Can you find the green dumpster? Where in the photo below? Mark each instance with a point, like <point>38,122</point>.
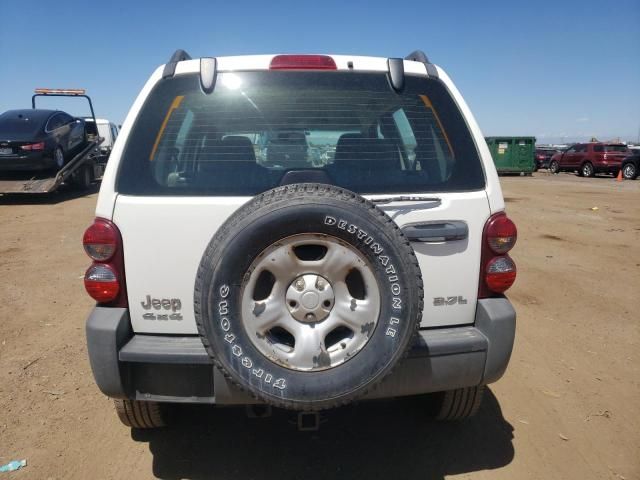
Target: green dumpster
<point>513,154</point>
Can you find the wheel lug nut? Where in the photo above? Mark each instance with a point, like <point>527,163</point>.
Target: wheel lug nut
<point>310,317</point>
<point>320,284</point>
<point>300,284</point>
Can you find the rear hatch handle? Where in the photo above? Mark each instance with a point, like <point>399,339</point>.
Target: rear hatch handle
<point>437,231</point>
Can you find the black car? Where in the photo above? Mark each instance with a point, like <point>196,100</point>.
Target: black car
<point>631,166</point>
<point>34,139</point>
<point>543,156</point>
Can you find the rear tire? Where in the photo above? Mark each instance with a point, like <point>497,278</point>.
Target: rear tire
<point>459,404</point>
<point>629,171</point>
<point>58,157</point>
<point>82,178</point>
<point>554,167</point>
<point>137,414</point>
<point>587,170</point>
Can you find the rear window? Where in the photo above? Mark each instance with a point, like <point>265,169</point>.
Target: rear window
<point>12,123</point>
<point>611,148</point>
<point>258,130</point>
<point>90,128</point>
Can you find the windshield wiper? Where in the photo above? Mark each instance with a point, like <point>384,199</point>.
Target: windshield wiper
<point>405,198</point>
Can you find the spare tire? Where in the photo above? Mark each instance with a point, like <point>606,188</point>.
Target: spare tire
<point>308,296</point>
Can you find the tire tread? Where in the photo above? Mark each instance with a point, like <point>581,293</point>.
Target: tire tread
<point>139,414</point>
<point>459,404</point>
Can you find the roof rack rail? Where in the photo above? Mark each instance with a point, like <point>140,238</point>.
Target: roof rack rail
<point>420,56</point>
<point>170,68</point>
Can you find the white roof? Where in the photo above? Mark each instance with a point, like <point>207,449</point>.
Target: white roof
<point>261,62</point>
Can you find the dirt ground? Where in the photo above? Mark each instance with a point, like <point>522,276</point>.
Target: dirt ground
<point>567,408</point>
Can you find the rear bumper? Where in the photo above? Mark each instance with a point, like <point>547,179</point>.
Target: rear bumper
<point>29,162</point>
<point>178,369</point>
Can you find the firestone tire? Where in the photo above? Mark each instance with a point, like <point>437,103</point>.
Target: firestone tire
<point>137,414</point>
<point>294,365</point>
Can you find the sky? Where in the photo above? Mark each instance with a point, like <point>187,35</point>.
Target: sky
<point>558,70</point>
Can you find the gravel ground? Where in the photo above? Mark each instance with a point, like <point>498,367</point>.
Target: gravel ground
<point>567,408</point>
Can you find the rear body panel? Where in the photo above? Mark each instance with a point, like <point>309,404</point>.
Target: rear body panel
<point>24,161</point>
<point>151,229</point>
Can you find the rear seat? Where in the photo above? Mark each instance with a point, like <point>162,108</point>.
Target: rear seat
<point>363,161</point>
<point>230,164</point>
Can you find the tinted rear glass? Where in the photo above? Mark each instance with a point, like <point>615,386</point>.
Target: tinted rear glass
<point>258,130</point>
<point>616,148</point>
<point>611,148</point>
<point>19,123</point>
<point>90,128</point>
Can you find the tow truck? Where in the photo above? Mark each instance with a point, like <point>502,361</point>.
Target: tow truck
<point>85,166</point>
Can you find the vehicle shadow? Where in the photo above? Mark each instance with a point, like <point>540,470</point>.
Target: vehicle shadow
<point>63,194</point>
<point>383,439</point>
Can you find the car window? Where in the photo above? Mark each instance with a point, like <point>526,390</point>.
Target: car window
<point>91,128</point>
<point>407,136</point>
<point>65,118</point>
<point>616,148</point>
<point>572,149</point>
<point>14,122</point>
<point>54,122</point>
<point>351,129</point>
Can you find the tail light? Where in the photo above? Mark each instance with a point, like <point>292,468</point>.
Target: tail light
<point>498,271</point>
<point>500,233</point>
<point>101,282</point>
<point>100,240</point>
<point>105,279</point>
<point>33,146</point>
<point>302,62</point>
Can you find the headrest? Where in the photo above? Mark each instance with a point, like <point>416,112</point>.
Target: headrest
<point>361,151</point>
<point>218,154</point>
<point>231,149</point>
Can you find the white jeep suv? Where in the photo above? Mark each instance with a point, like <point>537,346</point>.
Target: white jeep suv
<point>371,263</point>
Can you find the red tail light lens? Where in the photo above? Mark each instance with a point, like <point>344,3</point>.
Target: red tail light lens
<point>105,279</point>
<point>101,282</point>
<point>33,146</point>
<point>100,240</point>
<point>500,274</point>
<point>302,62</point>
<point>501,233</point>
<point>498,271</point>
